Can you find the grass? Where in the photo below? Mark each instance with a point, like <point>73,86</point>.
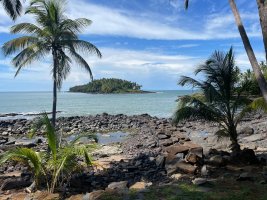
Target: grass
<point>221,190</point>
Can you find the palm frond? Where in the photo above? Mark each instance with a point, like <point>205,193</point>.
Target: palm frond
<point>76,25</point>
<point>25,154</point>
<point>51,136</point>
<point>80,60</point>
<point>258,104</point>
<point>185,80</point>
<point>29,28</point>
<point>12,7</point>
<point>17,44</point>
<point>83,46</point>
<point>186,3</point>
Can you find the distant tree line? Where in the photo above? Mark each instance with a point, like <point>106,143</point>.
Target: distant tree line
<point>108,85</point>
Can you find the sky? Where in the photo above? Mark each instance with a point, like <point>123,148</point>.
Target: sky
<point>151,42</point>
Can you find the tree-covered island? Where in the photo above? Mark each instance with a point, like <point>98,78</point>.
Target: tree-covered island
<point>109,86</point>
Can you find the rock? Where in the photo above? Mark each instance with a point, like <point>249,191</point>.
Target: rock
<point>192,158</point>
<point>171,168</point>
<point>245,156</point>
<point>166,142</point>
<point>96,195</point>
<point>139,186</point>
<point>177,148</point>
<point>204,170</point>
<point>121,186</point>
<point>255,137</point>
<point>15,183</point>
<point>162,136</point>
<point>245,177</point>
<point>192,145</point>
<point>160,161</point>
<point>45,195</point>
<point>217,160</point>
<point>176,176</point>
<point>185,167</point>
<point>78,197</point>
<point>199,181</point>
<point>247,131</point>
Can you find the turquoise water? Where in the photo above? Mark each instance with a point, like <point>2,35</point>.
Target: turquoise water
<point>160,104</point>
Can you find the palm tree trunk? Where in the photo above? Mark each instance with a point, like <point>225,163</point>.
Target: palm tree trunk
<point>54,109</point>
<point>251,55</point>
<point>235,147</point>
<point>262,7</point>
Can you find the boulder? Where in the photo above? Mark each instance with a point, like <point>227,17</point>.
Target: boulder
<point>217,160</point>
<point>171,168</point>
<point>160,161</point>
<point>247,131</point>
<point>245,156</point>
<point>204,171</point>
<point>177,176</point>
<point>177,148</point>
<point>165,142</point>
<point>245,177</point>
<point>199,181</point>
<point>120,186</point>
<point>191,158</point>
<point>255,137</point>
<point>96,195</point>
<point>15,183</point>
<point>140,185</point>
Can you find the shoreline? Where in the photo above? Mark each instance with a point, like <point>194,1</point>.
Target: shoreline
<point>201,132</point>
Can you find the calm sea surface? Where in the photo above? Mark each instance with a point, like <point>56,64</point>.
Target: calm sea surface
<point>160,104</point>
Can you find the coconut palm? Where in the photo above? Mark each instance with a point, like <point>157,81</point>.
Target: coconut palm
<point>57,165</point>
<point>220,99</point>
<point>262,7</point>
<point>53,34</point>
<point>12,7</point>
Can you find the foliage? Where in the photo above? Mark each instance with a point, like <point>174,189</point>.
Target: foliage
<point>221,97</point>
<point>249,77</point>
<point>53,33</point>
<point>12,7</point>
<point>57,164</point>
<point>107,85</point>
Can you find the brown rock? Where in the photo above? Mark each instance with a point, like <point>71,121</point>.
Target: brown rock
<point>138,186</point>
<point>96,195</point>
<point>191,158</point>
<point>186,167</point>
<point>191,145</point>
<point>122,185</point>
<point>171,168</point>
<point>177,148</point>
<point>43,195</point>
<point>76,197</point>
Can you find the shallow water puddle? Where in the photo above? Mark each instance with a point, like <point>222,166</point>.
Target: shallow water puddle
<point>112,137</point>
<point>103,138</point>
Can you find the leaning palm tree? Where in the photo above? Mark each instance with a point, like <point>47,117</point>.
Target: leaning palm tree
<point>262,7</point>
<point>220,100</point>
<point>12,7</point>
<point>53,34</point>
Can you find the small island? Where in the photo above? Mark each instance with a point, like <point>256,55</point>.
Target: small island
<point>109,86</point>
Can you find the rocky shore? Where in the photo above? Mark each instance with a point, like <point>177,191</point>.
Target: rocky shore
<point>154,152</point>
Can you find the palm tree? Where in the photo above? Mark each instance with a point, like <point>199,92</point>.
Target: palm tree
<point>56,166</point>
<point>220,99</point>
<point>12,7</point>
<point>262,6</point>
<point>53,34</point>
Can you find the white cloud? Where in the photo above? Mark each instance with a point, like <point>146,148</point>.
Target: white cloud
<point>117,22</point>
<point>120,63</point>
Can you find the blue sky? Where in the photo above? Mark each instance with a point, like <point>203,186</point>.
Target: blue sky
<point>151,42</point>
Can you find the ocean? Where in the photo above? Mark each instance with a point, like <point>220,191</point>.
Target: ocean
<point>160,103</point>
